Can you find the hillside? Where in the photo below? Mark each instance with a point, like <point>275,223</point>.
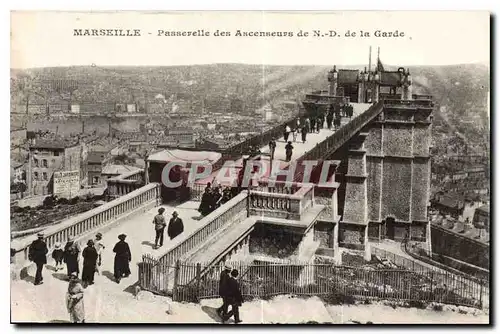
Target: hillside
<point>460,91</point>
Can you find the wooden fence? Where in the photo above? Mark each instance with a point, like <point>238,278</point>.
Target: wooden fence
<point>327,281</point>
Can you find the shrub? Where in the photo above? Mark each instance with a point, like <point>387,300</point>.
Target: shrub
<point>74,200</point>
<point>49,202</point>
<point>418,304</point>
<point>62,201</point>
<point>437,307</point>
<point>339,299</point>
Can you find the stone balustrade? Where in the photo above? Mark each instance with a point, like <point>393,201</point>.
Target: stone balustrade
<point>230,211</point>
<point>278,205</point>
<point>125,183</point>
<point>331,144</point>
<point>91,220</point>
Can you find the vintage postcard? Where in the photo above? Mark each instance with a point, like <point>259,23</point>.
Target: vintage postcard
<point>250,167</point>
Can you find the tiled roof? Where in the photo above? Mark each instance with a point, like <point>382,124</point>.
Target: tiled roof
<point>118,169</point>
<point>53,144</point>
<point>95,157</point>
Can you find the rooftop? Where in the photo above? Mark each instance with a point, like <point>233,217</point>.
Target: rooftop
<point>119,169</point>
<point>185,156</point>
<point>96,157</point>
<point>53,144</point>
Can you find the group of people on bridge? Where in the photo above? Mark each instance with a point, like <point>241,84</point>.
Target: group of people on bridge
<point>92,262</point>
<point>212,198</point>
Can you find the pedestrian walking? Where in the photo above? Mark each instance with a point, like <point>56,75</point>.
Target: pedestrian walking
<point>294,135</point>
<point>123,257</point>
<point>58,256</point>
<point>74,299</point>
<point>71,252</point>
<point>160,224</point>
<point>319,123</point>
<point>204,207</point>
<point>90,257</point>
<point>308,125</point>
<point>224,277</point>
<point>175,226</point>
<point>272,148</point>
<point>289,151</point>
<point>329,119</point>
<point>38,254</point>
<point>99,246</point>
<point>287,132</point>
<point>313,123</point>
<point>304,134</point>
<point>234,298</point>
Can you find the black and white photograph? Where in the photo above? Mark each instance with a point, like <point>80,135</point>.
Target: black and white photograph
<point>250,167</point>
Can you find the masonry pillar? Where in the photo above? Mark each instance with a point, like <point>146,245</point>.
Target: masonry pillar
<point>376,88</point>
<point>332,82</point>
<point>355,219</point>
<point>428,239</point>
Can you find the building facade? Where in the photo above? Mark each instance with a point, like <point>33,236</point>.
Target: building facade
<point>47,157</point>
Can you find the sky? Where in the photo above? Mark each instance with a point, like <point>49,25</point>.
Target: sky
<point>43,39</point>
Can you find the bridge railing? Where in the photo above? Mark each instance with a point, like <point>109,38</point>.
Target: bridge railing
<point>340,137</point>
<point>209,225</point>
<point>261,139</point>
<point>90,220</point>
<point>281,205</point>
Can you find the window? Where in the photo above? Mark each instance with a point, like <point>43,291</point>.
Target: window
<point>35,161</point>
<point>56,153</point>
<point>44,163</point>
<point>95,180</point>
<point>44,176</point>
<point>35,176</point>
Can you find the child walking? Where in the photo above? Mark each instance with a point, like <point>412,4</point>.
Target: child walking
<point>58,255</point>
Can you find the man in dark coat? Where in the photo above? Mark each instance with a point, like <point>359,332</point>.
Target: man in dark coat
<point>288,151</point>
<point>71,252</point>
<point>272,148</point>
<point>160,224</point>
<point>234,297</point>
<point>204,208</point>
<point>304,133</point>
<point>90,257</point>
<point>38,254</point>
<point>122,258</point>
<point>329,119</point>
<point>224,277</point>
<point>313,123</point>
<point>175,226</point>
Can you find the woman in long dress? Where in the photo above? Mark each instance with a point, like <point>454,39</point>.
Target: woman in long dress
<point>122,258</point>
<point>71,252</point>
<point>74,299</point>
<point>90,257</point>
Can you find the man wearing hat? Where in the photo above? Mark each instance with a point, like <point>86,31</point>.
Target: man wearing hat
<point>224,277</point>
<point>159,222</point>
<point>123,256</point>
<point>175,226</point>
<point>38,254</point>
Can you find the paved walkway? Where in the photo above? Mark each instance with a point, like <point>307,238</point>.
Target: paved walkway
<point>312,139</point>
<point>140,237</point>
